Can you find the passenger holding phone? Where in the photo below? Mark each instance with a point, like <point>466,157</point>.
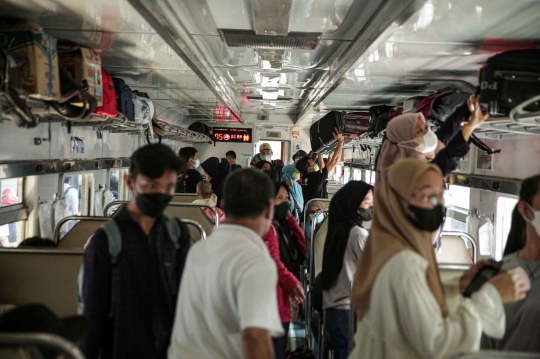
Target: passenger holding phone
<point>523,251</point>
<point>403,310</point>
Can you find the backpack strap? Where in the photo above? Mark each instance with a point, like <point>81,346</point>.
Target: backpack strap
<point>114,238</point>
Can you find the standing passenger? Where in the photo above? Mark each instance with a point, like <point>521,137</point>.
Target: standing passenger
<point>403,310</point>
<point>287,246</point>
<point>522,329</point>
<point>130,304</point>
<point>227,308</point>
<point>345,241</point>
<point>314,182</point>
<point>231,157</point>
<point>187,183</point>
<point>216,171</point>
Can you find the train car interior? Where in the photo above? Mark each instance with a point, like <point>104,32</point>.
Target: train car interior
<point>86,83</point>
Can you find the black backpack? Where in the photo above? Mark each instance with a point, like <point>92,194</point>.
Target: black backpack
<point>201,128</point>
<point>124,99</point>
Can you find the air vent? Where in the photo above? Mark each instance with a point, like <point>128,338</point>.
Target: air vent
<point>249,39</point>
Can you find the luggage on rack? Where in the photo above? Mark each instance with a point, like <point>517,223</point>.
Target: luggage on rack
<point>201,128</point>
<point>445,104</point>
<point>84,66</point>
<point>375,112</point>
<point>124,99</point>
<point>110,106</point>
<point>509,79</point>
<point>355,123</point>
<point>144,107</point>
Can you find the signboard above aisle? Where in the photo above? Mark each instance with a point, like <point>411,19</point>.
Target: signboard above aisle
<point>233,134</point>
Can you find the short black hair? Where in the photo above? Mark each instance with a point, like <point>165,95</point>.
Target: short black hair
<point>37,242</point>
<point>247,193</point>
<point>153,160</point>
<point>302,165</point>
<point>231,154</point>
<point>278,185</point>
<point>187,152</point>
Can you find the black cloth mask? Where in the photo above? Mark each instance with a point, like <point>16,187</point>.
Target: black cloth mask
<point>153,204</point>
<point>427,219</point>
<point>366,214</point>
<point>280,211</point>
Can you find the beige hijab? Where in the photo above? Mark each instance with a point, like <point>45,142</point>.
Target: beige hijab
<point>393,232</point>
<point>401,129</point>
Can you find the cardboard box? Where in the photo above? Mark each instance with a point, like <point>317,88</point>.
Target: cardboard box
<point>84,66</point>
<point>36,55</point>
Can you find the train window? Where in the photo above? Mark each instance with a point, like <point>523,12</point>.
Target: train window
<point>458,202</point>
<point>357,175</point>
<point>503,222</point>
<point>113,182</point>
<point>11,190</point>
<point>11,234</point>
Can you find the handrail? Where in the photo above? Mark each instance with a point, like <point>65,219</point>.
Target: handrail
<point>41,250</point>
<point>454,266</point>
<point>312,275</point>
<point>42,340</point>
<point>172,204</point>
<point>467,237</point>
<point>56,235</point>
<point>306,207</point>
<point>196,225</point>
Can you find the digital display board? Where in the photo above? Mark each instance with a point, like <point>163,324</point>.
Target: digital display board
<point>232,134</point>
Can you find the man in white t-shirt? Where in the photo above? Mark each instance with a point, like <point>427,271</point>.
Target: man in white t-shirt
<point>227,306</point>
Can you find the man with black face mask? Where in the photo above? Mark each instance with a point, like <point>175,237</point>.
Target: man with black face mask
<point>130,301</point>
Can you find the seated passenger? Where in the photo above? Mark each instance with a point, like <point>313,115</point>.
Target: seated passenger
<point>216,171</point>
<point>227,308</point>
<point>287,246</point>
<point>187,182</point>
<point>522,329</point>
<point>346,238</point>
<point>37,242</point>
<point>264,166</point>
<point>36,318</point>
<point>403,311</point>
<point>409,136</point>
<point>314,208</point>
<point>206,196</point>
<point>130,304</point>
<point>314,182</point>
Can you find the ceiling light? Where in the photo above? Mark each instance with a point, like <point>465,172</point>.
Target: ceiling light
<point>467,53</point>
<point>270,95</point>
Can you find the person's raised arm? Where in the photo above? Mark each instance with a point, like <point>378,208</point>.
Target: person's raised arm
<point>332,162</point>
<point>320,162</point>
<point>476,119</point>
<point>256,344</point>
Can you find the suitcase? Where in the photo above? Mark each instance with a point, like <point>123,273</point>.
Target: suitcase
<point>321,133</point>
<point>508,79</point>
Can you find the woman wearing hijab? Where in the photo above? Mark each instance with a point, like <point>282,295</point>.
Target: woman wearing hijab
<point>290,176</point>
<point>409,136</point>
<point>216,170</point>
<point>350,207</point>
<point>265,166</point>
<point>287,246</point>
<point>403,311</point>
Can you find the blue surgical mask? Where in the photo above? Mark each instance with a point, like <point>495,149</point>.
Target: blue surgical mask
<point>317,220</point>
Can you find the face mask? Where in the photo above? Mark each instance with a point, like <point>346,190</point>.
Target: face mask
<point>425,144</point>
<point>280,211</point>
<point>317,220</point>
<point>153,204</point>
<point>197,164</point>
<point>268,172</point>
<point>366,214</point>
<point>427,219</point>
<point>535,222</point>
<point>266,158</point>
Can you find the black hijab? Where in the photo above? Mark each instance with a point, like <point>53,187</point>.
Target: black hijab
<point>218,169</point>
<point>343,216</point>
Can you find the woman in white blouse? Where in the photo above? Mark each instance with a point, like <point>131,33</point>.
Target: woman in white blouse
<point>403,310</point>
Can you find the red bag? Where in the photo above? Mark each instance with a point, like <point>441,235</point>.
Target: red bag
<point>110,107</point>
<point>355,123</point>
<point>425,105</point>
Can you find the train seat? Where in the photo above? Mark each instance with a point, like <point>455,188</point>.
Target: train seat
<point>46,276</point>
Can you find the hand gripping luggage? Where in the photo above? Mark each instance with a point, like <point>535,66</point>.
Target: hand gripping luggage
<point>508,80</point>
<point>321,133</point>
<point>124,99</point>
